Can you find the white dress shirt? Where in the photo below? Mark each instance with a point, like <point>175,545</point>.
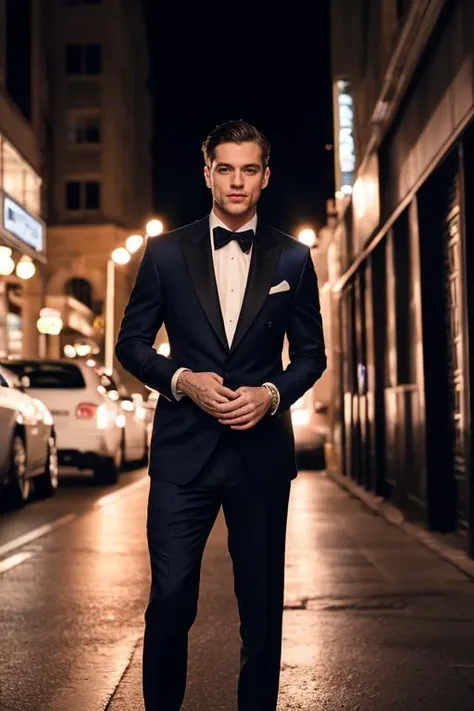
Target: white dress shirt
<point>231,269</point>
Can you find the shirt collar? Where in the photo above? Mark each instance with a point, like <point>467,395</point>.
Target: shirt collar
<point>214,221</point>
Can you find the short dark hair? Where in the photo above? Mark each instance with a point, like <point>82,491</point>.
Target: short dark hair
<point>235,132</point>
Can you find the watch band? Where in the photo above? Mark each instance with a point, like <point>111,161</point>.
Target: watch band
<point>274,396</point>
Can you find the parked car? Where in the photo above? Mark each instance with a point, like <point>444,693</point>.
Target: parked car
<point>135,444</point>
<point>311,431</point>
<point>27,443</point>
<point>89,424</point>
<point>150,404</point>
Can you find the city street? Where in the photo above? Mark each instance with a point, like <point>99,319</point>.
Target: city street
<point>373,621</point>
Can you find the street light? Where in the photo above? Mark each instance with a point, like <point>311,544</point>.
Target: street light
<point>154,227</point>
<point>121,256</point>
<point>25,269</point>
<point>307,236</point>
<point>133,243</point>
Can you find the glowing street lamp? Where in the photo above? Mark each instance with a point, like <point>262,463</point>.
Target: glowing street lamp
<point>133,243</point>
<point>121,256</point>
<point>154,227</point>
<point>25,269</point>
<point>307,236</point>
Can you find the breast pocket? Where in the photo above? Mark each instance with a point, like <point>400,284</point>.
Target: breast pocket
<point>277,310</point>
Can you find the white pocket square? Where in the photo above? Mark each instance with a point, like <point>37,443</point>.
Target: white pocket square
<point>278,288</point>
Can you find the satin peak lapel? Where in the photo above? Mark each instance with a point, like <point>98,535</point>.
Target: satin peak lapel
<point>196,249</point>
<point>265,256</point>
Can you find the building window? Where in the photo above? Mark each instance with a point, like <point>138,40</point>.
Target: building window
<point>18,179</point>
<point>92,195</point>
<point>17,34</point>
<point>82,195</point>
<point>83,59</point>
<point>85,130</point>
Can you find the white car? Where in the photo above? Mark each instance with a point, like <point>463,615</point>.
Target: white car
<point>89,424</point>
<point>27,443</point>
<point>135,444</point>
<point>150,406</point>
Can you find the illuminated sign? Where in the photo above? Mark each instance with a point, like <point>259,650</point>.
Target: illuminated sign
<point>347,157</point>
<point>22,225</point>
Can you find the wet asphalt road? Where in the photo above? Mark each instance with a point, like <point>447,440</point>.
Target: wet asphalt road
<point>373,621</point>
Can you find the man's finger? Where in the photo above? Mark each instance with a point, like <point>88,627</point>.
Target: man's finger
<point>245,410</point>
<point>243,420</point>
<point>231,406</point>
<point>218,399</point>
<point>248,426</point>
<point>217,378</point>
<point>227,392</point>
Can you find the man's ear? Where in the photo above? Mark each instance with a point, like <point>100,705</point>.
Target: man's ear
<point>266,177</point>
<point>207,176</point>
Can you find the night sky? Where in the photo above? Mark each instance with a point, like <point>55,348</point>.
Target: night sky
<point>270,69</point>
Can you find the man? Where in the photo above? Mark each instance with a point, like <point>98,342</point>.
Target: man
<point>227,288</point>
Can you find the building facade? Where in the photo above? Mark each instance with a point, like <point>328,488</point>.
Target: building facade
<point>399,258</point>
<point>100,170</point>
<point>23,136</point>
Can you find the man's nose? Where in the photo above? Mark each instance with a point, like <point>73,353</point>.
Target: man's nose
<point>237,179</point>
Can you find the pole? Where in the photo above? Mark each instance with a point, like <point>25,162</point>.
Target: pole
<point>109,317</point>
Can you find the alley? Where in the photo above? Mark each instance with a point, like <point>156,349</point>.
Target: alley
<point>373,620</point>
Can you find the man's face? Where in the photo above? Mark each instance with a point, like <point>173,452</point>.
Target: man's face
<point>236,179</point>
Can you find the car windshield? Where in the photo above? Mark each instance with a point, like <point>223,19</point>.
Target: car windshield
<point>48,375</point>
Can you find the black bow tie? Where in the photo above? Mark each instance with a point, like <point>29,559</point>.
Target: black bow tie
<point>223,237</point>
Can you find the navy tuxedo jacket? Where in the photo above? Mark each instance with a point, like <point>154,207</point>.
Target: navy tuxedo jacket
<point>176,286</point>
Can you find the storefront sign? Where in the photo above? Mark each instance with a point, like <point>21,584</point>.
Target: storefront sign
<point>18,222</point>
<point>347,158</point>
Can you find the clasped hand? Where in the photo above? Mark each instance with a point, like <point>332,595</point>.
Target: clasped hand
<point>239,409</point>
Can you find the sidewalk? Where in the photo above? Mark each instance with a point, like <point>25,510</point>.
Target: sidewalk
<point>374,620</point>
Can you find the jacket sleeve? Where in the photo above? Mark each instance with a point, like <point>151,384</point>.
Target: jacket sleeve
<point>141,322</point>
<point>306,341</point>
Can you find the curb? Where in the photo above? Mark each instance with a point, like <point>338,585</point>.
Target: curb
<point>433,541</point>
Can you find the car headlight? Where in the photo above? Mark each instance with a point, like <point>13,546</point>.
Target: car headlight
<point>300,418</point>
<point>298,404</point>
<point>141,413</point>
<point>121,421</point>
<point>102,415</point>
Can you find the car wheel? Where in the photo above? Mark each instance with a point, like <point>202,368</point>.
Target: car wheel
<point>107,472</point>
<point>19,486</point>
<point>47,483</point>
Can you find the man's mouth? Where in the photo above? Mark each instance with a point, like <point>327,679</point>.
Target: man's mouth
<point>236,197</point>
